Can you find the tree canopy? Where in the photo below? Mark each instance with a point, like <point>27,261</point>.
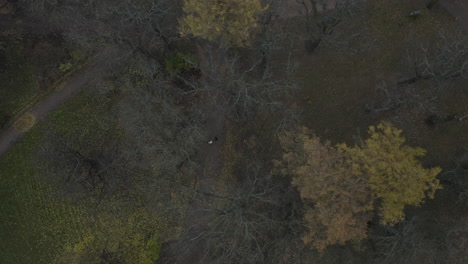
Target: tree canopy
<point>394,174</point>
<point>228,22</point>
<point>339,202</point>
<point>341,187</point>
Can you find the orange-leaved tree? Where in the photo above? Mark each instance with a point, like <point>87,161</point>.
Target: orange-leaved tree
<point>339,200</point>
<point>341,187</point>
<point>227,22</point>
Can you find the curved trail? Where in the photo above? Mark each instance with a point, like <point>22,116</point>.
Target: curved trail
<point>70,88</point>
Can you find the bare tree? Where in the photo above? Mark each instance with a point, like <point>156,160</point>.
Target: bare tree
<point>407,243</point>
<point>444,59</point>
<point>434,65</point>
<point>420,239</point>
<point>82,173</point>
<point>240,224</point>
<point>136,25</point>
<point>163,129</point>
<point>456,241</point>
<point>242,88</point>
<point>395,96</point>
<point>398,241</point>
<point>323,16</point>
<point>456,178</point>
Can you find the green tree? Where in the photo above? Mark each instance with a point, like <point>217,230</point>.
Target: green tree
<point>394,174</point>
<point>229,22</point>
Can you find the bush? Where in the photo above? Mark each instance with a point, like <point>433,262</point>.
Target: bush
<point>25,122</point>
<point>64,67</point>
<point>181,62</point>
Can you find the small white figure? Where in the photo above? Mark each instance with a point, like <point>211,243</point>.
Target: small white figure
<point>212,141</point>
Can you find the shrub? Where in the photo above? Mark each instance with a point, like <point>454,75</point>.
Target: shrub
<point>181,62</point>
<point>25,122</point>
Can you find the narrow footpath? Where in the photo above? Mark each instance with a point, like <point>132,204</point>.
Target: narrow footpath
<point>70,88</point>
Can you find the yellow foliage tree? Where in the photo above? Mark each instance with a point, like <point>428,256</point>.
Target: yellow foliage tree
<point>394,174</point>
<point>228,22</point>
<point>342,186</point>
<point>341,203</point>
<point>116,239</point>
<point>25,122</point>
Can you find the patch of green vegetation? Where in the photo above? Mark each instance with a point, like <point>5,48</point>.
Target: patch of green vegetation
<point>36,222</point>
<point>86,120</point>
<point>154,248</point>
<point>74,62</point>
<point>17,77</point>
<point>64,67</point>
<point>25,122</point>
<point>181,62</point>
<point>39,224</point>
<point>136,77</point>
<point>77,56</point>
<point>125,238</point>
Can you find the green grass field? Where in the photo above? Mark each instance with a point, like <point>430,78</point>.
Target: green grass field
<point>39,223</point>
<point>17,78</point>
<point>35,222</point>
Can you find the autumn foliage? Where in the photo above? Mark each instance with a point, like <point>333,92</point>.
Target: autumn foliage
<point>228,22</point>
<point>343,187</point>
<point>25,122</point>
<point>339,201</point>
<point>395,176</point>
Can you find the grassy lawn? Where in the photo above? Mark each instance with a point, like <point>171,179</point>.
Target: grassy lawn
<point>41,223</point>
<point>35,222</point>
<point>17,77</point>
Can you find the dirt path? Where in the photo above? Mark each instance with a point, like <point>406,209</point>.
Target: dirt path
<point>210,155</point>
<point>69,89</point>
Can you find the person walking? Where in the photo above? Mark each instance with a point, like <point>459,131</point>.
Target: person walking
<point>212,141</point>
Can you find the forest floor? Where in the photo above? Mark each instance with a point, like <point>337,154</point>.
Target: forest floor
<point>331,88</point>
